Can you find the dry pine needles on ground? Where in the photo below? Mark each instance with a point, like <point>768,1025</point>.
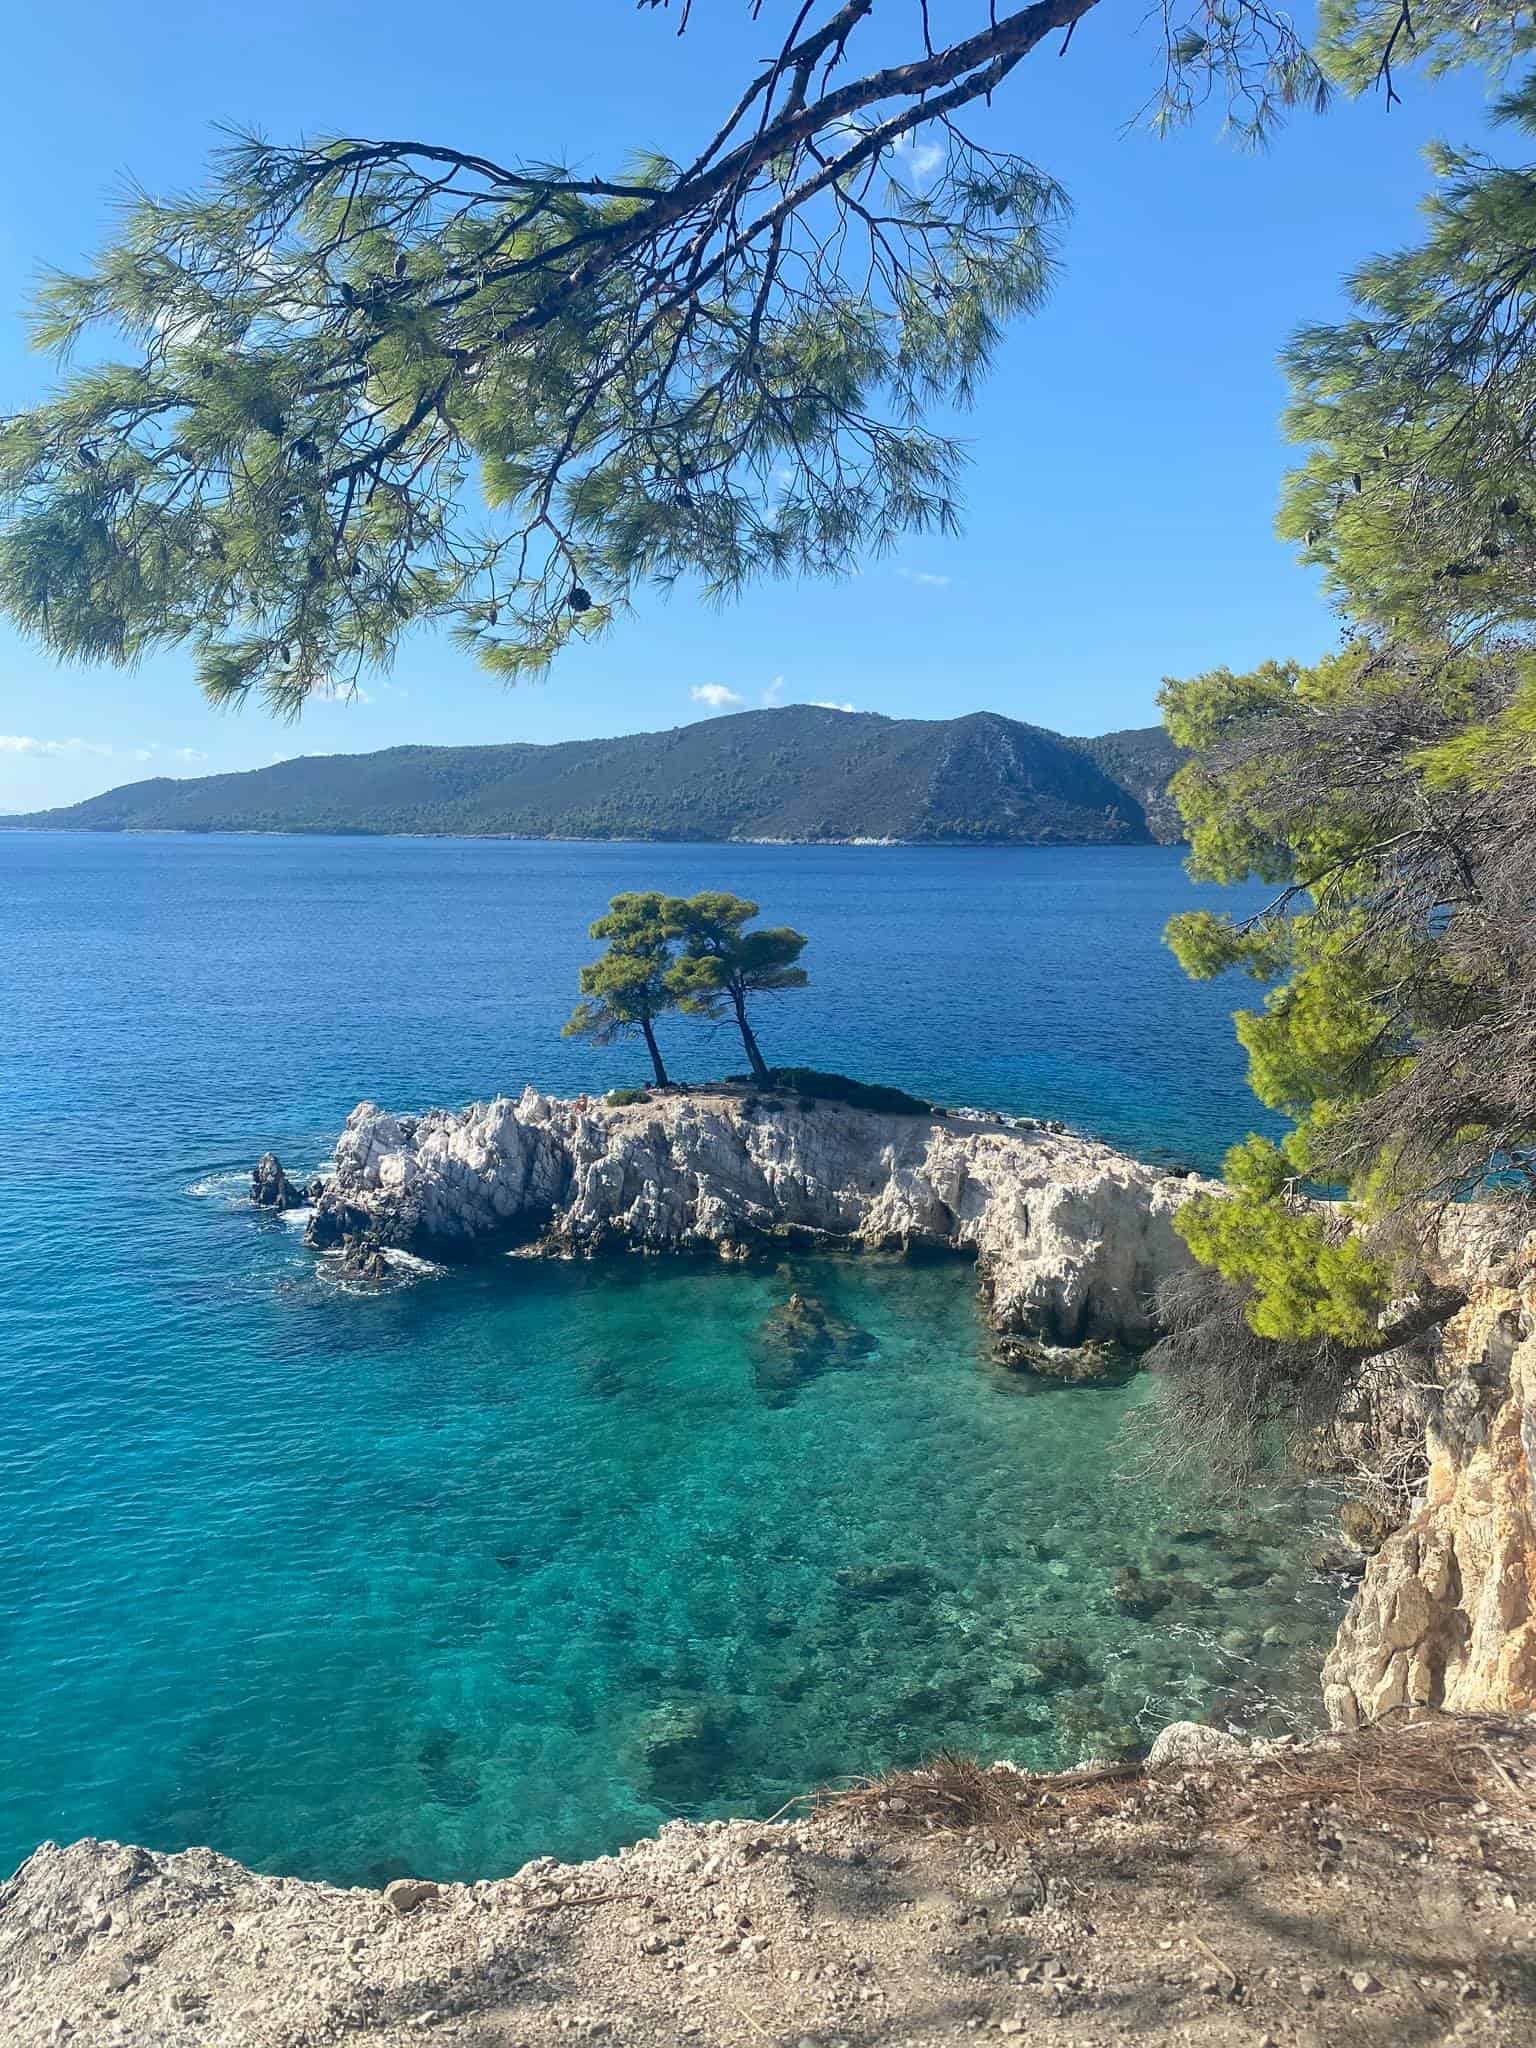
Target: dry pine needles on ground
<point>1423,1770</point>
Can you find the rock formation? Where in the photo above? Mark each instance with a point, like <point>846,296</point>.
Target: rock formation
<point>1070,1237</point>
<point>1446,1612</point>
<point>270,1186</point>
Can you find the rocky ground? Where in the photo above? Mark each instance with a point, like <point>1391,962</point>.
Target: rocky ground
<point>1372,1888</point>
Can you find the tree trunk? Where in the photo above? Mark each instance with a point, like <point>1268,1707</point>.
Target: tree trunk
<point>655,1052</point>
<point>755,1058</point>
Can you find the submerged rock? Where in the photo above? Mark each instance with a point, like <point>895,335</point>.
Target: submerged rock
<point>884,1581</point>
<point>1140,1598</point>
<point>678,1751</point>
<point>1091,1722</point>
<point>1059,1662</point>
<point>1069,1365</point>
<point>801,1338</point>
<point>1070,1238</point>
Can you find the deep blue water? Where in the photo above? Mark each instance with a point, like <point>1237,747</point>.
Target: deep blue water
<point>521,1559</point>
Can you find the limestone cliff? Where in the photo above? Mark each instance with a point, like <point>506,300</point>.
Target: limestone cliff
<point>1070,1237</point>
<point>1446,1612</point>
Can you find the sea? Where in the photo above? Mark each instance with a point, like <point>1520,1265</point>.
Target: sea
<point>523,1558</point>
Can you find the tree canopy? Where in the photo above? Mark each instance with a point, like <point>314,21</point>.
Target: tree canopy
<point>688,953</point>
<point>627,989</point>
<point>1400,1033</point>
<point>1387,791</point>
<point>1416,496</point>
<point>373,383</point>
<point>722,963</point>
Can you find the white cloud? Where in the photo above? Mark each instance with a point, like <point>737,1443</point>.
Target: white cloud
<point>826,704</point>
<point>916,160</point>
<point>715,695</point>
<point>190,754</point>
<point>924,578</point>
<point>19,743</point>
<point>774,694</point>
<point>919,159</point>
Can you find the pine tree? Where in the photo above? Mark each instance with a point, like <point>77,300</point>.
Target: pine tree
<point>628,988</point>
<point>357,385</point>
<point>722,964</point>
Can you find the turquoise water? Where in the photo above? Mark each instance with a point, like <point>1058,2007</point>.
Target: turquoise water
<point>526,1558</point>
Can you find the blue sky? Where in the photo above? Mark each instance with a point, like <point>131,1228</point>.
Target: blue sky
<point>1126,452</point>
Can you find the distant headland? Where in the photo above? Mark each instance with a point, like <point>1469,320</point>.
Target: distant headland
<point>797,774</point>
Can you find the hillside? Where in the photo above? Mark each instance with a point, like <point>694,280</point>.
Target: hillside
<point>796,773</point>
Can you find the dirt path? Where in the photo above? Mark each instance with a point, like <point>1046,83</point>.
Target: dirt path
<point>1241,1904</point>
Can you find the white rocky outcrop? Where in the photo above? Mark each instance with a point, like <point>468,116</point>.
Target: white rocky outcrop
<point>1071,1238</point>
<point>1446,1613</point>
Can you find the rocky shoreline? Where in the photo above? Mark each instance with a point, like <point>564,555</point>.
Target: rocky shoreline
<point>1366,1891</point>
<point>1071,1239</point>
<point>1220,1893</point>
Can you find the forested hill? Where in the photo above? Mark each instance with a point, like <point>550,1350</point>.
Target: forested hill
<point>796,773</point>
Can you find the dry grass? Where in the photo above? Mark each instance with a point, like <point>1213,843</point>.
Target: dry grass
<point>953,1793</point>
<point>1421,1773</point>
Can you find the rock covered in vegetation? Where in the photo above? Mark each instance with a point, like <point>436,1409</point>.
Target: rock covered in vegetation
<point>1446,1612</point>
<point>1071,1238</point>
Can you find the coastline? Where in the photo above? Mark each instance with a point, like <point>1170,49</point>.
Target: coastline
<point>1358,1889</point>
<point>938,845</point>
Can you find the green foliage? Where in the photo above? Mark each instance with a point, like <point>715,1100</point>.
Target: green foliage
<point>1386,796</point>
<point>355,386</point>
<point>1359,41</point>
<point>355,392</point>
<point>1416,496</point>
<point>688,953</point>
<point>627,988</point>
<point>722,963</point>
<point>1308,1277</point>
<point>821,1087</point>
<point>626,1098</point>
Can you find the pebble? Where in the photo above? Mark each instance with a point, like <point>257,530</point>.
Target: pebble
<point>1363,1982</point>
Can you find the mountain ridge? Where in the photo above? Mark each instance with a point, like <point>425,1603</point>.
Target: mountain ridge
<point>798,773</point>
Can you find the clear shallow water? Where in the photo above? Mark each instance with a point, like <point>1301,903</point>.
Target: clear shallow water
<point>524,1558</point>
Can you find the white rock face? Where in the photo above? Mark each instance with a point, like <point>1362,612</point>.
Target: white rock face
<point>1446,1613</point>
<point>1071,1238</point>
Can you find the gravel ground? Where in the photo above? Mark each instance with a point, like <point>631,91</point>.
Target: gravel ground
<point>1177,1906</point>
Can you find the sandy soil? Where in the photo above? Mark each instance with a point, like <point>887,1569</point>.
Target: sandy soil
<point>1231,1906</point>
